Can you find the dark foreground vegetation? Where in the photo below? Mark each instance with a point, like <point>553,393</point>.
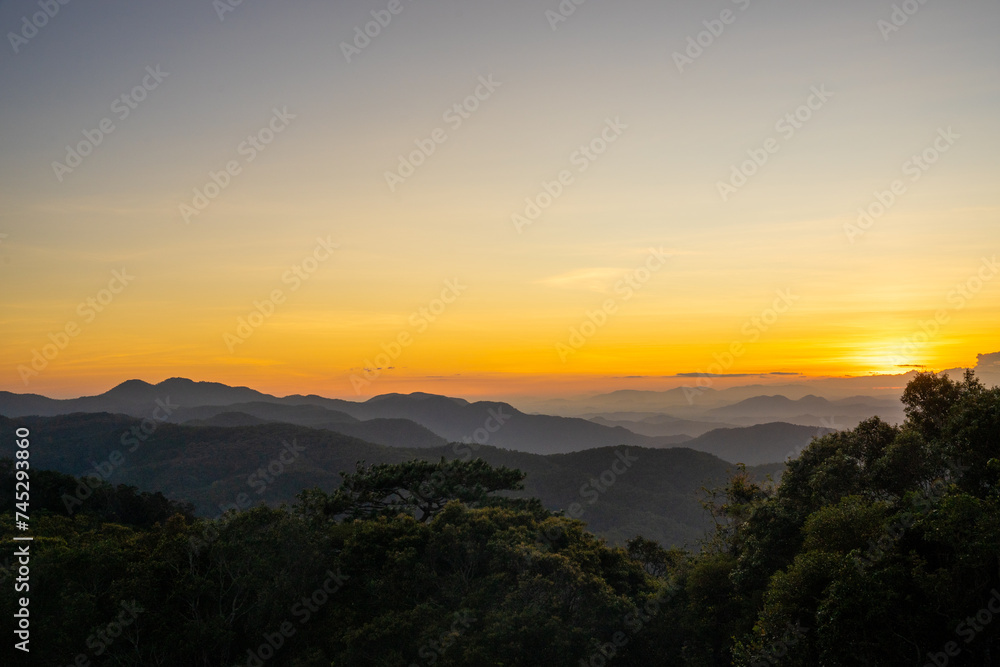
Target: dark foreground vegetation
<point>880,546</point>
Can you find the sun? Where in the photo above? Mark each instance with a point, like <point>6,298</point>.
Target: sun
<point>882,359</point>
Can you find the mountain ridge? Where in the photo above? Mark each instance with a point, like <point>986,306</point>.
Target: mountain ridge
<point>211,466</point>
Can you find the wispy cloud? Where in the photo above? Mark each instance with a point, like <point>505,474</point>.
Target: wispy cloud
<point>716,375</point>
<point>596,279</point>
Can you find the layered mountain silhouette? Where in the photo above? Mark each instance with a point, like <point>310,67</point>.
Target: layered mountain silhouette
<point>809,410</point>
<point>452,419</point>
<point>654,424</point>
<point>758,444</point>
<point>430,420</point>
<point>208,443</point>
<point>657,494</point>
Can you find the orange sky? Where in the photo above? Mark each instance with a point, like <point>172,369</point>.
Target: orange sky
<point>573,223</point>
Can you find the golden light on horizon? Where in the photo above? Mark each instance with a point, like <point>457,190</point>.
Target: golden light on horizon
<point>606,169</point>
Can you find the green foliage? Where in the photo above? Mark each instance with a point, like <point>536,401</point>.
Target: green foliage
<point>56,493</point>
<point>419,487</point>
<point>878,547</point>
<point>881,540</point>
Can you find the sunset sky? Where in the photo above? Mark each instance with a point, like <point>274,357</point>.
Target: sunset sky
<point>638,265</point>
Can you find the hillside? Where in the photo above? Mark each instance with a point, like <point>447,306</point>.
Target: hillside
<point>809,410</point>
<point>656,496</point>
<point>758,444</point>
<point>452,419</point>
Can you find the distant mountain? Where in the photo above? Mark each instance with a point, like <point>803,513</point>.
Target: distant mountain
<point>303,415</point>
<point>624,491</point>
<point>133,397</point>
<point>388,432</point>
<point>809,410</point>
<point>772,405</point>
<point>227,419</point>
<point>453,419</point>
<point>429,420</point>
<point>657,425</point>
<point>759,444</point>
<point>693,396</point>
<point>692,401</point>
<point>633,399</point>
<point>501,425</point>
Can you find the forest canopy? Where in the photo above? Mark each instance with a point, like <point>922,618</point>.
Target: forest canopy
<point>879,545</point>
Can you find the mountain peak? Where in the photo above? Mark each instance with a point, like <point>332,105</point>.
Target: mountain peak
<point>130,386</point>
<point>416,396</point>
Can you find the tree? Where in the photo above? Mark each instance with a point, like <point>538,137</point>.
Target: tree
<point>420,487</point>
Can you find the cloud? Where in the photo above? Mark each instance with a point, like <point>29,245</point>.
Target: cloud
<point>595,279</point>
<point>716,375</point>
<point>988,362</point>
<point>780,373</point>
<point>988,368</point>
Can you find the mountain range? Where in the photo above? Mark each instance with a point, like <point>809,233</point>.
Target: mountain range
<point>210,444</point>
<point>624,491</point>
<point>422,420</point>
<point>451,419</point>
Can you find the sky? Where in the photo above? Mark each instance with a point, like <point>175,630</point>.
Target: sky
<point>485,199</point>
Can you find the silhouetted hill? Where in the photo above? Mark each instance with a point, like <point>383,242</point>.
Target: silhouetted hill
<point>227,419</point>
<point>759,444</point>
<point>453,419</point>
<point>132,397</point>
<point>390,432</point>
<point>656,494</point>
<point>303,415</point>
<point>499,424</point>
<point>694,402</point>
<point>809,410</point>
<point>657,425</point>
